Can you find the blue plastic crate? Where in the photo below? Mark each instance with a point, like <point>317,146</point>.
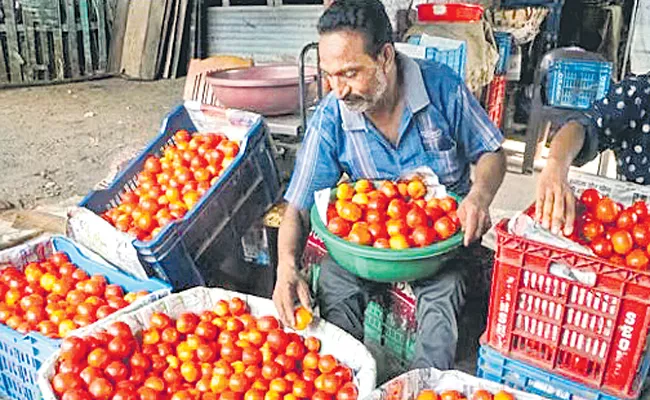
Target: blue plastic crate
<point>455,58</point>
<point>22,355</point>
<point>504,44</point>
<point>495,367</point>
<point>576,84</point>
<point>187,252</point>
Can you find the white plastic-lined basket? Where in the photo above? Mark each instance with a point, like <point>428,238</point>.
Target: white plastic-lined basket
<point>334,340</point>
<point>408,385</point>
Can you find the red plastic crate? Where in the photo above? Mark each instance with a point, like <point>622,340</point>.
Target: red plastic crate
<point>496,98</point>
<point>577,316</point>
<point>451,12</point>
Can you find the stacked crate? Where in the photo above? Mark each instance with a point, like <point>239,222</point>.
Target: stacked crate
<point>495,100</point>
<point>565,325</point>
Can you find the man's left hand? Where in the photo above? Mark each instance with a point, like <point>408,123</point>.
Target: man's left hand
<point>474,216</point>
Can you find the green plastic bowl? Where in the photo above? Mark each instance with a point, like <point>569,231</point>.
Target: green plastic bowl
<point>386,265</point>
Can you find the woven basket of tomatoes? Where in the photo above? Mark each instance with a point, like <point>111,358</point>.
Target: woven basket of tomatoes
<point>432,384</point>
<point>187,199</point>
<point>388,231</point>
<point>48,289</point>
<point>209,344</point>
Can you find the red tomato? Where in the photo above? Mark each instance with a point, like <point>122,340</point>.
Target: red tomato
<point>374,216</point>
<point>396,227</point>
<point>592,230</point>
<point>397,209</point>
<point>271,370</point>
<point>381,243</point>
<point>320,395</point>
<point>348,392</point>
<point>626,220</point>
<point>377,201</point>
<point>350,211</point>
<point>125,394</point>
<point>640,208</point>
<point>89,374</point>
<point>76,394</point>
<point>360,234</point>
<point>206,353</point>
<point>606,211</point>
<point>590,198</point>
<point>66,381</point>
<point>187,322</point>
<point>327,364</point>
<point>622,242</point>
<point>98,358</point>
<point>101,389</point>
<point>116,371</point>
<point>121,347</point>
<point>339,226</point>
<point>637,259</point>
<point>602,247</point>
<point>423,236</point>
<point>267,324</point>
<point>139,360</point>
<point>641,234</point>
<point>230,352</point>
<point>448,204</point>
<point>206,330</point>
<point>416,217</point>
<point>277,340</point>
<point>73,349</point>
<point>251,356</point>
<point>445,228</point>
<point>287,363</point>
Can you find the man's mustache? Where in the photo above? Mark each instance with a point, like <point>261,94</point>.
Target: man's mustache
<point>353,98</point>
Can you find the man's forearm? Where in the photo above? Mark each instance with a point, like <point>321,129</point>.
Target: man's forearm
<point>566,144</point>
<point>488,175</point>
<point>292,237</point>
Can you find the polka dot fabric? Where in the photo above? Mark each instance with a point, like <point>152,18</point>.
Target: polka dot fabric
<point>621,122</point>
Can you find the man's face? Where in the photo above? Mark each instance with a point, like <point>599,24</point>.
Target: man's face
<point>356,78</point>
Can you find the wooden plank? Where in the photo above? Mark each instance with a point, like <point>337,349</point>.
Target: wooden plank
<point>193,28</point>
<point>172,41</point>
<point>73,51</point>
<point>102,45</point>
<point>84,16</point>
<point>117,37</point>
<point>30,47</point>
<point>164,37</point>
<point>179,37</point>
<point>45,50</point>
<point>135,37</point>
<point>15,59</point>
<point>59,57</point>
<point>152,42</point>
<point>4,66</point>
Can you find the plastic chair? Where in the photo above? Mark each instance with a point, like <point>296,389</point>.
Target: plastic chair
<point>541,113</point>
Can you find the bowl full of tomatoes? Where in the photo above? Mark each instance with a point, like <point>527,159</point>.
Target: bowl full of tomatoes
<point>387,231</point>
<point>208,344</point>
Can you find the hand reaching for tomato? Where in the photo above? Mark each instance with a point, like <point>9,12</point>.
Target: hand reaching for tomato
<point>555,205</point>
<point>289,286</point>
<point>474,215</point>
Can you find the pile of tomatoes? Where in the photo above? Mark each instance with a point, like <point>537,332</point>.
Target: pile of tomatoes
<point>480,394</point>
<point>171,185</point>
<point>224,353</point>
<point>612,231</point>
<point>55,297</point>
<point>391,215</point>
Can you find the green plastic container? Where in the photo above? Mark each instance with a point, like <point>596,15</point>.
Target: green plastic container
<point>386,265</point>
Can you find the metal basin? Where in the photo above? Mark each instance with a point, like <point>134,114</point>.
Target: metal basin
<point>266,89</point>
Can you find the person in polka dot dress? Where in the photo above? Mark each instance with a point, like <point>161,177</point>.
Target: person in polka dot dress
<point>620,122</point>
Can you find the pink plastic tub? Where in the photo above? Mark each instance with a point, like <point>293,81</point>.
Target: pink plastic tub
<point>266,89</point>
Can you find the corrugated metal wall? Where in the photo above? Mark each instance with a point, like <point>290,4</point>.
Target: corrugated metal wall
<point>267,34</point>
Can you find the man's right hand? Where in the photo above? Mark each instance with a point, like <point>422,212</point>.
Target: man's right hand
<point>555,205</point>
<point>288,286</point>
